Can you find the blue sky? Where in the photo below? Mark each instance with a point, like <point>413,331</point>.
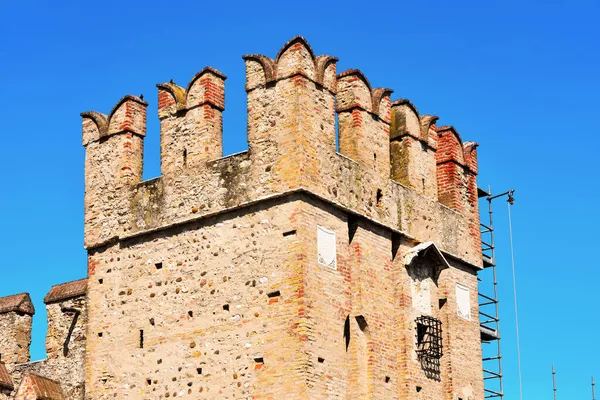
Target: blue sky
<point>519,77</point>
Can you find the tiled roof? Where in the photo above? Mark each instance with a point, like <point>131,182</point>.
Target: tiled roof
<point>66,291</point>
<point>17,302</point>
<point>5,381</point>
<point>44,388</point>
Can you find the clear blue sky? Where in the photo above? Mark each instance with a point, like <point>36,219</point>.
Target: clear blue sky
<point>520,78</point>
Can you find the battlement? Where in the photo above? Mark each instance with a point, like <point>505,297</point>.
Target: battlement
<point>394,165</point>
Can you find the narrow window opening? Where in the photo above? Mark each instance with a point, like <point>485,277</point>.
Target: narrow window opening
<point>158,265</point>
<point>272,294</point>
<point>396,239</point>
<point>226,307</point>
<point>100,334</point>
<point>141,339</point>
<point>347,331</point>
<point>191,313</point>
<point>199,371</point>
<point>101,281</point>
<point>379,197</point>
<point>289,233</point>
<point>148,381</point>
<point>259,360</point>
<point>352,226</point>
<point>387,379</point>
<point>185,157</point>
<point>321,360</point>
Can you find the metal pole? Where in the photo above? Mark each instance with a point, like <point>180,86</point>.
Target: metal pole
<point>593,394</point>
<point>554,381</point>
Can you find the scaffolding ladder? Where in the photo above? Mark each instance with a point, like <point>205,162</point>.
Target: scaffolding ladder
<point>488,304</point>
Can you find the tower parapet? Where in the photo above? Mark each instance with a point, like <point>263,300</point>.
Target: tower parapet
<point>393,165</point>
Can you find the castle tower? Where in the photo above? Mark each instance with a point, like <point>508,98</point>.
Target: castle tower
<point>290,270</point>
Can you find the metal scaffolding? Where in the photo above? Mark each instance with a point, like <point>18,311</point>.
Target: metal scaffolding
<point>488,304</point>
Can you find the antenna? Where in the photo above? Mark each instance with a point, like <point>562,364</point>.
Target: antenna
<point>593,394</point>
<point>554,381</point>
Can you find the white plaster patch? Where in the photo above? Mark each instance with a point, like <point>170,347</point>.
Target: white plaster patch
<point>421,296</point>
<point>463,302</point>
<point>326,244</point>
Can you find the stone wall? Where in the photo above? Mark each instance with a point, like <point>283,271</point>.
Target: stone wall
<point>16,313</point>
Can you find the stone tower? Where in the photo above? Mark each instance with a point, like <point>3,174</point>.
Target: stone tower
<point>291,270</point>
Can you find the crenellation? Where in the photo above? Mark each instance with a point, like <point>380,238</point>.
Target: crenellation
<point>291,138</point>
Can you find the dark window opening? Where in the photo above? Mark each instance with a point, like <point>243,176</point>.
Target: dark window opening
<point>396,239</point>
<point>141,339</point>
<point>226,307</point>
<point>321,360</point>
<point>347,331</point>
<point>199,371</point>
<point>442,302</point>
<point>352,226</point>
<point>185,157</point>
<point>379,197</point>
<point>289,233</point>
<point>274,294</point>
<point>158,265</point>
<point>387,379</point>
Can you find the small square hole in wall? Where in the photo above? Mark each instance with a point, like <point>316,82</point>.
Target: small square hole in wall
<point>199,371</point>
<point>387,379</point>
<point>321,360</point>
<point>226,307</point>
<point>158,265</point>
<point>100,334</point>
<point>101,281</point>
